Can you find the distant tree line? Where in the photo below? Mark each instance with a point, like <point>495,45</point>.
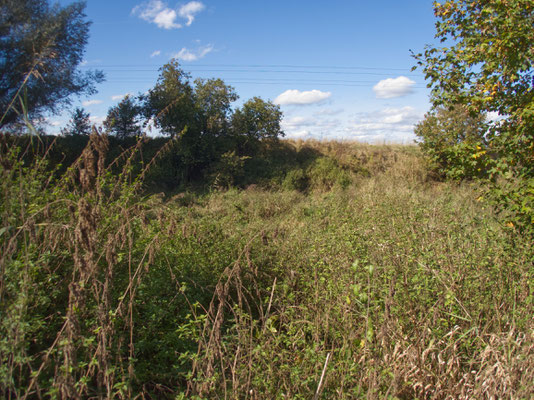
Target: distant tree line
<point>197,115</point>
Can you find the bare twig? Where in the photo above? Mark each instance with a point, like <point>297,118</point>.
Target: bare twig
<point>320,386</point>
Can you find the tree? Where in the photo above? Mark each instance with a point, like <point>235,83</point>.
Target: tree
<point>170,104</point>
<point>79,124</point>
<point>213,99</point>
<point>256,120</point>
<point>200,117</point>
<point>40,49</point>
<point>487,66</point>
<point>124,119</point>
<point>454,142</point>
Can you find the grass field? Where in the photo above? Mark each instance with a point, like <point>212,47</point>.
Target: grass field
<point>352,275</point>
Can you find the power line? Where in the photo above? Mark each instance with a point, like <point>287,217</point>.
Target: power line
<point>255,66</point>
<point>281,80</point>
<point>269,71</point>
<point>289,69</point>
<point>268,82</point>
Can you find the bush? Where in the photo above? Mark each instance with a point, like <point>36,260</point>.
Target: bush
<point>296,179</point>
<point>454,143</point>
<point>325,173</point>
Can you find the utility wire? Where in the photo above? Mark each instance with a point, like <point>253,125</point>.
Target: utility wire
<point>268,82</point>
<point>253,66</point>
<point>268,71</point>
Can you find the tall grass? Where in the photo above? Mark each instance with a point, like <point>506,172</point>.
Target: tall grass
<point>349,275</point>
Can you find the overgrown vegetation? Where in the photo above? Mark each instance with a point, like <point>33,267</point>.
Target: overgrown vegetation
<point>223,262</point>
<point>392,284</point>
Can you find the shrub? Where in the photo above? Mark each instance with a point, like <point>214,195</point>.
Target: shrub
<point>325,173</point>
<point>454,143</point>
<point>296,179</point>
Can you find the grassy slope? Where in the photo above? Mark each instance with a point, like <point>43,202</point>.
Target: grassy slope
<point>408,287</point>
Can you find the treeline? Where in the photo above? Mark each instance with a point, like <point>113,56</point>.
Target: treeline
<point>156,164</point>
<point>208,134</point>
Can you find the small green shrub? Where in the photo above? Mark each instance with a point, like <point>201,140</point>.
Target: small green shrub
<point>325,173</point>
<point>228,171</point>
<point>296,179</point>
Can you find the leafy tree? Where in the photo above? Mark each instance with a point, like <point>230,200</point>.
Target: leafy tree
<point>486,64</point>
<point>79,123</point>
<point>170,103</point>
<point>256,120</point>
<point>454,142</point>
<point>213,99</point>
<point>40,49</point>
<point>124,119</point>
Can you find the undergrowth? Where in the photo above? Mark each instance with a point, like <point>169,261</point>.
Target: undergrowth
<point>349,274</point>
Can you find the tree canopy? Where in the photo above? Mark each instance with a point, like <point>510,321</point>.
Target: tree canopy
<point>124,119</point>
<point>199,115</point>
<point>258,119</point>
<point>485,64</point>
<point>41,47</point>
<point>79,123</point>
<point>170,102</point>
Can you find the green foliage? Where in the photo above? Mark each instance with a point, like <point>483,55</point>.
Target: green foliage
<point>455,143</point>
<point>79,124</point>
<point>325,173</point>
<point>170,102</point>
<point>228,171</point>
<point>213,100</point>
<point>199,115</point>
<point>296,179</point>
<point>124,119</point>
<point>256,120</point>
<point>40,49</point>
<point>487,66</point>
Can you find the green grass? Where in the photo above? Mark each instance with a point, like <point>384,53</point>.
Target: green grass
<point>412,288</point>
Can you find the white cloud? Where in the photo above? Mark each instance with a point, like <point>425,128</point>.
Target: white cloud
<point>298,121</point>
<point>157,12</point>
<point>155,53</point>
<point>120,96</point>
<point>301,98</point>
<point>389,124</point>
<point>55,123</point>
<point>298,134</point>
<point>91,103</point>
<point>189,10</point>
<point>330,111</point>
<point>308,126</point>
<point>495,117</point>
<point>193,55</point>
<point>96,120</point>
<point>393,87</point>
<point>86,63</point>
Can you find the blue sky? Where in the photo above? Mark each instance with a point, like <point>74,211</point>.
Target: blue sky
<point>338,69</point>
